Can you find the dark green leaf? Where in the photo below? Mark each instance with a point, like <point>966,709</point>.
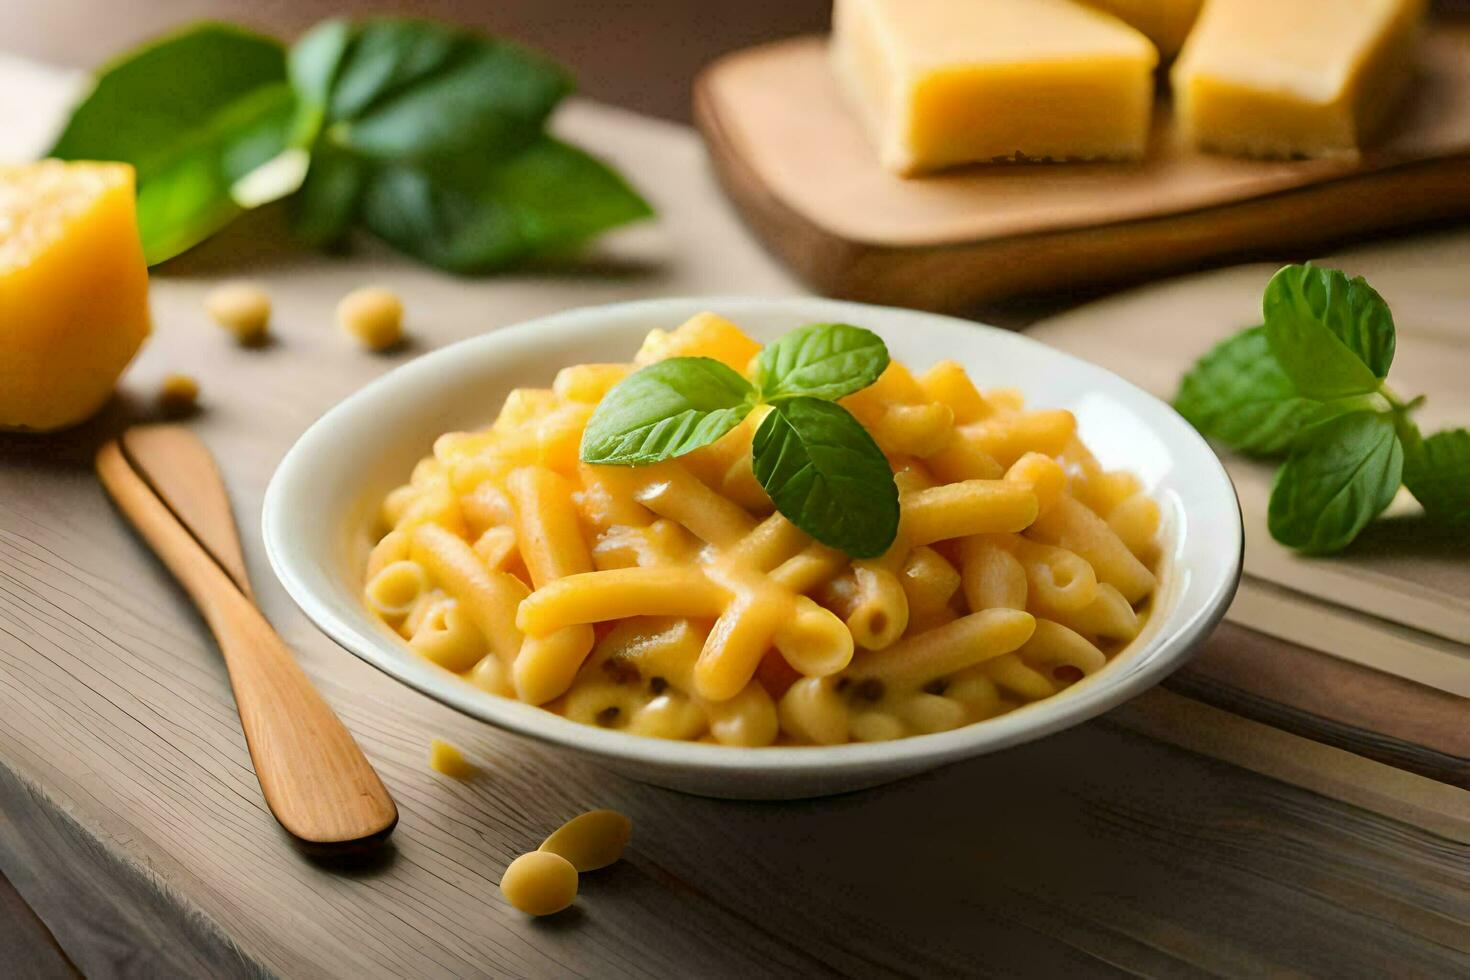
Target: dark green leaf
<point>827,476</point>
<point>665,410</point>
<point>313,65</point>
<point>1238,395</point>
<point>193,113</point>
<point>1333,336</point>
<point>1437,471</point>
<point>329,197</point>
<point>820,360</point>
<point>1333,486</point>
<point>411,91</point>
<point>549,196</point>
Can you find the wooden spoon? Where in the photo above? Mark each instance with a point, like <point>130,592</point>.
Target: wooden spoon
<point>315,779</point>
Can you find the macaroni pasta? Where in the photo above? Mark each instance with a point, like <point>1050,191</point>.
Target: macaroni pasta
<point>672,601</point>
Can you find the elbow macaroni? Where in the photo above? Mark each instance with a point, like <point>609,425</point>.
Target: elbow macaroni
<point>672,601</point>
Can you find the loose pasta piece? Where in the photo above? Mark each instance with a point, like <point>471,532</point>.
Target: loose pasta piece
<point>1043,475</point>
<point>395,588</point>
<point>670,490</point>
<point>497,548</point>
<point>813,640</point>
<point>916,660</point>
<point>1012,674</point>
<point>704,335</point>
<point>963,458</point>
<point>490,598</point>
<point>1056,579</point>
<point>595,597</point>
<point>812,711</point>
<point>991,575</point>
<point>492,676</point>
<point>588,382</point>
<point>1052,646</point>
<point>947,382</point>
<point>1074,526</point>
<point>928,713</point>
<point>448,637</point>
<point>592,840</point>
<point>391,547</point>
<point>736,643</point>
<point>447,759</point>
<point>607,500</point>
<point>548,664</point>
<point>748,719</point>
<point>879,612</point>
<point>1108,616</point>
<point>1009,436</point>
<point>929,581</point>
<point>974,689</point>
<point>875,726</point>
<point>671,716</point>
<point>540,883</point>
<point>1136,522</point>
<point>958,510</point>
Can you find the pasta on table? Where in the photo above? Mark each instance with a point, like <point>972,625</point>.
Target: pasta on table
<point>671,600</point>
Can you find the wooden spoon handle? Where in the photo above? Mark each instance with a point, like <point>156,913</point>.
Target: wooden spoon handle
<point>315,779</point>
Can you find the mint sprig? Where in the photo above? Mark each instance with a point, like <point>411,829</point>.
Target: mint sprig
<point>430,136</point>
<point>1310,385</point>
<point>818,464</point>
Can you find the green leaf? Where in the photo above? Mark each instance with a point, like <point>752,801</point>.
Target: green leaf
<point>667,409</point>
<point>820,360</point>
<point>193,113</point>
<point>548,197</point>
<point>1333,336</point>
<point>330,196</point>
<point>1437,471</point>
<point>414,91</point>
<point>1238,395</point>
<point>1333,486</point>
<point>313,64</point>
<point>827,475</point>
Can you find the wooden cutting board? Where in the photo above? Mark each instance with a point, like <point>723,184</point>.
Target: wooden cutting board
<point>803,173</point>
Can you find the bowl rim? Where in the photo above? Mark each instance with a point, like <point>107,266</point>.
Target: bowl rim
<point>1158,658</point>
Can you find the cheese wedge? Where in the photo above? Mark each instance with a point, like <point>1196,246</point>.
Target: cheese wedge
<point>946,82</point>
<point>1295,78</point>
<point>1164,22</point>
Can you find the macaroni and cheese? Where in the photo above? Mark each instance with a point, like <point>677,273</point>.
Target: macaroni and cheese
<point>672,600</point>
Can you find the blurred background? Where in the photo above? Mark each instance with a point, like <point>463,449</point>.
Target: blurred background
<point>640,54</point>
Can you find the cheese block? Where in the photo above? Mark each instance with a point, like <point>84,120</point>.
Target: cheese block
<point>1295,78</point>
<point>946,82</point>
<point>1164,22</point>
<point>73,289</point>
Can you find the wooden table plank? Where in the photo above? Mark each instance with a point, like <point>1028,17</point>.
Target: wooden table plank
<point>136,830</point>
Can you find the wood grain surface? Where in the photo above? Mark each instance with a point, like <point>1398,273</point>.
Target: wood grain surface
<point>136,830</point>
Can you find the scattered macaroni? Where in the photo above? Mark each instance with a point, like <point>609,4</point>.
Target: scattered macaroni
<point>540,883</point>
<point>672,601</point>
<point>592,840</point>
<point>178,395</point>
<point>242,308</point>
<point>449,760</point>
<point>373,315</point>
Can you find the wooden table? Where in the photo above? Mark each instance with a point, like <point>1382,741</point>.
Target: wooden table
<point>134,826</point>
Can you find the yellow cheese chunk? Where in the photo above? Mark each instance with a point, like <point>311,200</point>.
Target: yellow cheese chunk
<point>1295,78</point>
<point>946,82</point>
<point>1164,22</point>
<point>73,289</point>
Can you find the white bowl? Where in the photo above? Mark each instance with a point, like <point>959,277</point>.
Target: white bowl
<point>321,504</point>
